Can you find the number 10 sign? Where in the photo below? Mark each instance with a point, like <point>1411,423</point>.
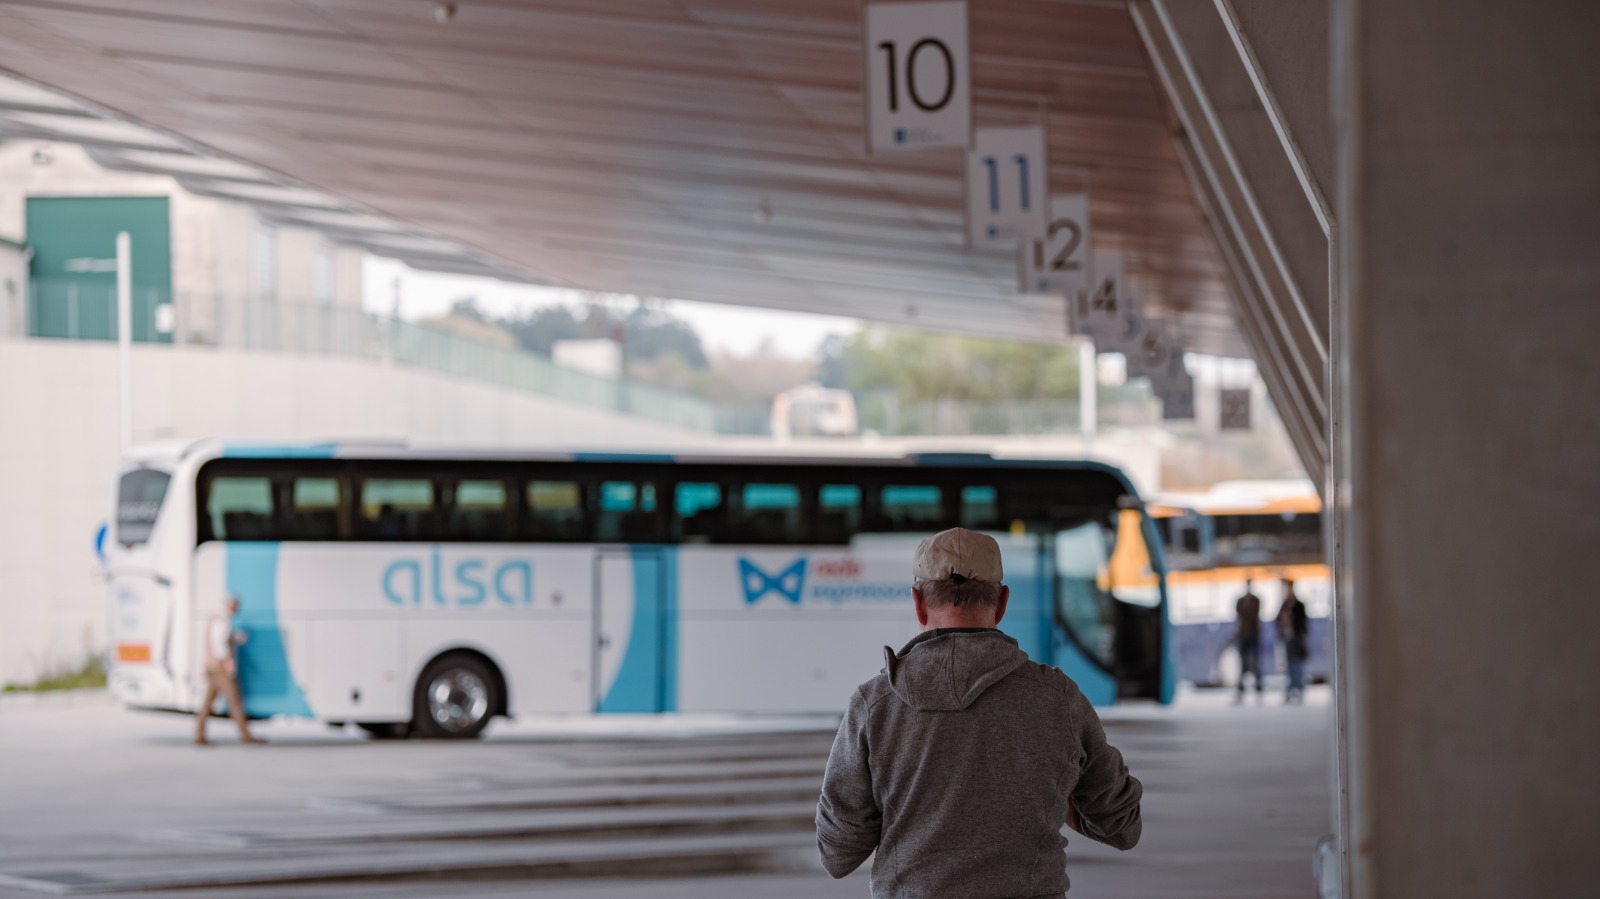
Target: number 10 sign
<point>1005,184</point>
<point>919,90</point>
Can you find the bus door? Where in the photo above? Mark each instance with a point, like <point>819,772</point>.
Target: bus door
<point>1108,609</point>
<point>630,661</point>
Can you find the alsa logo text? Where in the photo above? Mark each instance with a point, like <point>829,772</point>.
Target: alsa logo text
<point>461,580</point>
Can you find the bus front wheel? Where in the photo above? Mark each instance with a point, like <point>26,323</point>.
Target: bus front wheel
<point>456,696</point>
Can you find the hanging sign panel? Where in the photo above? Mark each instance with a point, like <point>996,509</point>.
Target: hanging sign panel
<point>1155,352</point>
<point>1159,356</point>
<point>1056,260</point>
<point>1005,184</point>
<point>1177,401</point>
<point>919,87</point>
<point>1233,409</point>
<point>1107,312</point>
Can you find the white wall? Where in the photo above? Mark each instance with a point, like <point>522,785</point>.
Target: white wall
<point>58,418</point>
<point>69,173</point>
<point>13,287</point>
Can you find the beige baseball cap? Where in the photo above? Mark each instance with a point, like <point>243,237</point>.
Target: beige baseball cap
<point>957,552</point>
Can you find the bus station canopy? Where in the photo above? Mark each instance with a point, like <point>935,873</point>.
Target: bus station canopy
<point>709,150</point>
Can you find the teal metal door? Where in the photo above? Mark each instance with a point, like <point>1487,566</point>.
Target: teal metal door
<point>74,268</point>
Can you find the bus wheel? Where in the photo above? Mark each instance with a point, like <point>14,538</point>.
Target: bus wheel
<point>455,698</point>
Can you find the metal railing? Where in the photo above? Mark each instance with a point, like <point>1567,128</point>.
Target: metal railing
<point>76,312</point>
<point>1118,407</point>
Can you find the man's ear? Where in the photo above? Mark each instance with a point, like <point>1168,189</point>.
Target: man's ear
<point>921,602</point>
<point>1000,606</point>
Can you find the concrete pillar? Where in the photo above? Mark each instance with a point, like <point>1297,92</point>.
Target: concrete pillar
<point>1468,203</point>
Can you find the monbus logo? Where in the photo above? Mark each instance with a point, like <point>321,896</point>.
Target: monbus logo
<point>787,583</point>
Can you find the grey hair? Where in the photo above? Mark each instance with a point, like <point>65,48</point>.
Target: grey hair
<point>958,593</point>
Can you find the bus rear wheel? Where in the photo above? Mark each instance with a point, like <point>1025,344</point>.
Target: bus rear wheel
<point>455,698</point>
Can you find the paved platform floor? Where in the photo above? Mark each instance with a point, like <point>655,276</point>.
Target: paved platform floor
<point>1236,799</point>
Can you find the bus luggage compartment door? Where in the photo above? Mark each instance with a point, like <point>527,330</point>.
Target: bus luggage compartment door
<point>629,659</point>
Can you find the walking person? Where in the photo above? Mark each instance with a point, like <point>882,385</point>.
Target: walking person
<point>221,640</point>
<point>1294,630</point>
<point>1248,638</point>
<point>960,762</point>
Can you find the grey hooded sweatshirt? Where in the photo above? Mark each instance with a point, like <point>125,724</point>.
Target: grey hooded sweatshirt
<point>956,765</point>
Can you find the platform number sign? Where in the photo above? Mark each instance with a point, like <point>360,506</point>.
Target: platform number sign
<point>1006,189</point>
<point>1107,311</point>
<point>919,90</point>
<point>1056,260</point>
<point>1177,403</point>
<point>1233,409</point>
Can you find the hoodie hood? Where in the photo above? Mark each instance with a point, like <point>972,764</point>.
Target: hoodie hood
<point>947,670</point>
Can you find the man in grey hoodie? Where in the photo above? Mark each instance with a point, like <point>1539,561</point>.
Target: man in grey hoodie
<point>960,762</point>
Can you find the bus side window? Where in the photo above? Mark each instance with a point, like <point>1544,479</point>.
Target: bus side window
<point>980,509</point>
<point>478,510</point>
<point>626,513</point>
<point>908,507</point>
<point>700,513</point>
<point>838,513</point>
<point>399,509</point>
<point>240,508</point>
<point>768,513</point>
<point>313,512</point>
<point>555,512</point>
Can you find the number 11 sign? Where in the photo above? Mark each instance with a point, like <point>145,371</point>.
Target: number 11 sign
<point>1005,184</point>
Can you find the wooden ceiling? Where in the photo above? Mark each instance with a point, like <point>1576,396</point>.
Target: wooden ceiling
<point>697,149</point>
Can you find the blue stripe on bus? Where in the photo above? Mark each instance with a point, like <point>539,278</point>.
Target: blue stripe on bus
<point>646,679</point>
<point>1096,683</point>
<point>1027,619</point>
<point>279,451</point>
<point>669,629</point>
<point>265,680</point>
<point>623,457</point>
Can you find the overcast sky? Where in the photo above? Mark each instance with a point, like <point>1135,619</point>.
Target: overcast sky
<point>736,329</point>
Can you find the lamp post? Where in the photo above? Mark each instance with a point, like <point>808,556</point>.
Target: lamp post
<point>125,340</point>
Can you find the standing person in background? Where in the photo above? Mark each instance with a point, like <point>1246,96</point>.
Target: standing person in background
<point>221,637</point>
<point>1248,639</point>
<point>1294,630</point>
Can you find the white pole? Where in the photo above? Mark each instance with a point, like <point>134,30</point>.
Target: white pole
<point>1088,381</point>
<point>125,339</point>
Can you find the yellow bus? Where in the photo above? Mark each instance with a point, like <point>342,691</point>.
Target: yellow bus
<point>1264,532</point>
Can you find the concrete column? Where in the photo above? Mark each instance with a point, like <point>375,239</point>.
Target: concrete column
<point>1469,209</point>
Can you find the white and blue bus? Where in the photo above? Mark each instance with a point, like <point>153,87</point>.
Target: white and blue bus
<point>427,591</point>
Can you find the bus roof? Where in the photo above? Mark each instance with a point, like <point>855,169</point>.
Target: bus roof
<point>1266,497</point>
<point>820,453</point>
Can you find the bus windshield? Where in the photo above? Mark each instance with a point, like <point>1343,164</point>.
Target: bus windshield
<point>139,496</point>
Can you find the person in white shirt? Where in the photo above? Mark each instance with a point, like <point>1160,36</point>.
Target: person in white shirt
<point>221,670</point>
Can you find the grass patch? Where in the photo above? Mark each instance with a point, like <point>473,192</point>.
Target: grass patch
<point>88,676</point>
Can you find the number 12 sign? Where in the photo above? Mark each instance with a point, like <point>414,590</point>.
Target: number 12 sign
<point>1005,184</point>
<point>1056,260</point>
<point>919,91</point>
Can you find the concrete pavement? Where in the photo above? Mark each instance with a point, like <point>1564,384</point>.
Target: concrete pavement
<point>97,799</point>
